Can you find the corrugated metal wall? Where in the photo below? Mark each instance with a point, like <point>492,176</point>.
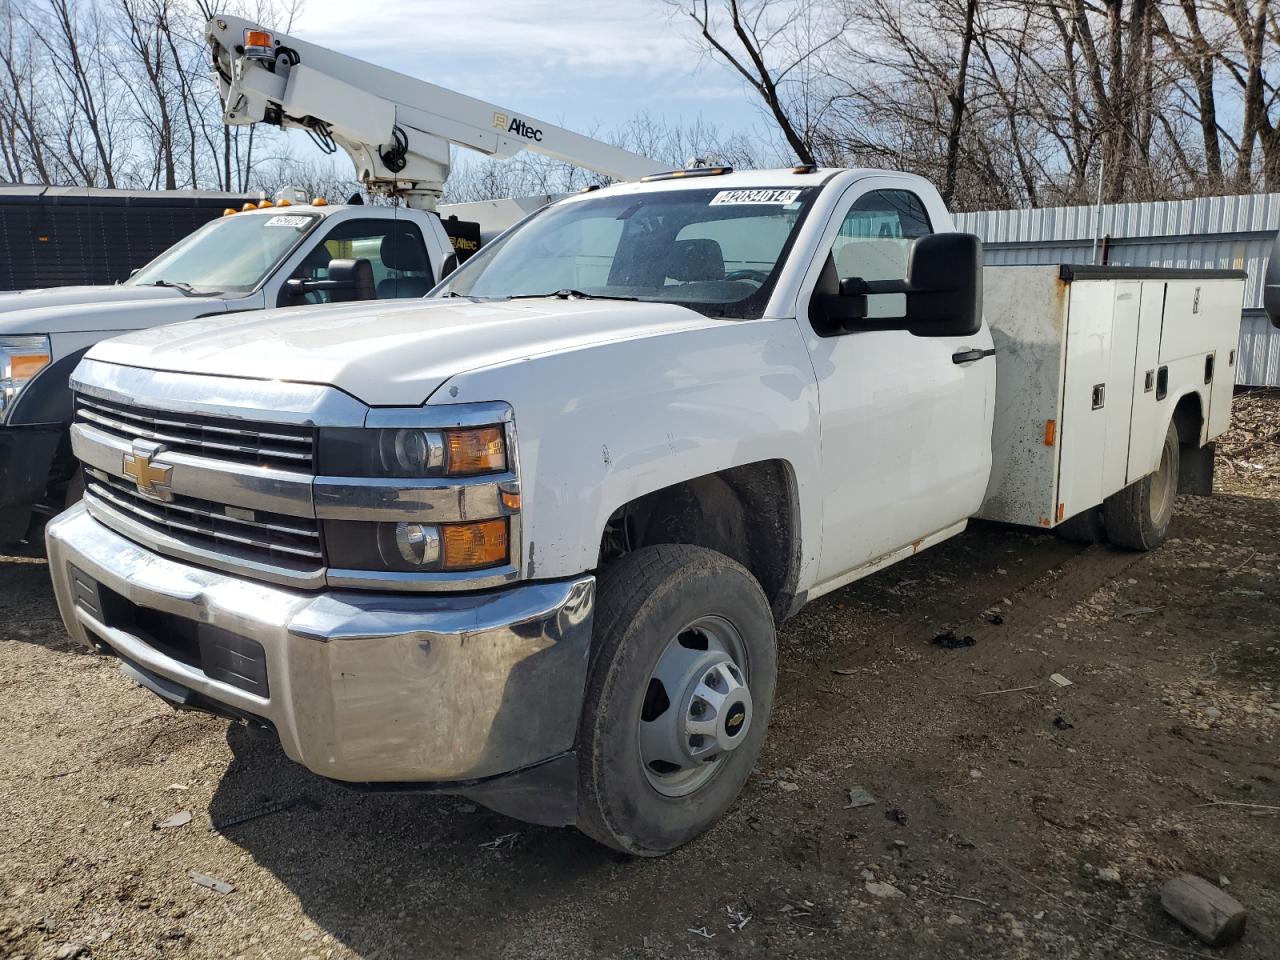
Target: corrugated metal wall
<point>1221,232</point>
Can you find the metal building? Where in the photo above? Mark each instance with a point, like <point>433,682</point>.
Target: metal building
<point>1222,232</point>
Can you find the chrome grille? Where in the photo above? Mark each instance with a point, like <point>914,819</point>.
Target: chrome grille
<point>273,538</point>
<point>239,441</point>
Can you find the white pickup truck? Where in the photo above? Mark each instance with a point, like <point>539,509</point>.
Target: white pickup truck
<point>529,540</point>
<point>276,256</point>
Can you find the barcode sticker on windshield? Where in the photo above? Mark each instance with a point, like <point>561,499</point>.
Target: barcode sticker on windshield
<point>285,220</point>
<point>781,197</point>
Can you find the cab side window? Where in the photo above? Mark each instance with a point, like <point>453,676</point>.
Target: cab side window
<point>394,249</point>
<point>875,238</point>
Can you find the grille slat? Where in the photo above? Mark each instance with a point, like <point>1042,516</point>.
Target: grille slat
<point>260,444</point>
<point>189,518</point>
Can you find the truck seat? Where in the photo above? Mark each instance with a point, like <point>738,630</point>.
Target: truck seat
<point>695,260</point>
<point>403,252</point>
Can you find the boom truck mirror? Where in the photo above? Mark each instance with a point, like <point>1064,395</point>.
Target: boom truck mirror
<point>1271,285</point>
<point>942,294</point>
<point>348,280</point>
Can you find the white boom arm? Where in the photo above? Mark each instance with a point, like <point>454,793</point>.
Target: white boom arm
<point>397,130</point>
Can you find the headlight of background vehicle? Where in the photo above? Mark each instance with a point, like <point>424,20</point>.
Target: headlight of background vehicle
<point>21,358</point>
<point>413,452</point>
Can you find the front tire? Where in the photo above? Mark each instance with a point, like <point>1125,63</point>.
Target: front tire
<point>1138,516</point>
<point>682,676</point>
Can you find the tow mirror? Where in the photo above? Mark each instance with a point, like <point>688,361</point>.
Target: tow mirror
<point>1271,285</point>
<point>941,297</point>
<point>348,280</point>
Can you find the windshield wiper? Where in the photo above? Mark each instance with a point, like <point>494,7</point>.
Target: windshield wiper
<point>177,285</point>
<point>569,295</point>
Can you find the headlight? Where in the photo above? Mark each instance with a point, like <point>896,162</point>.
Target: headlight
<point>21,358</point>
<point>413,547</point>
<point>413,452</point>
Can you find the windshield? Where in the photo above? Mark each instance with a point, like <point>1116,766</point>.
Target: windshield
<point>229,255</point>
<point>714,251</point>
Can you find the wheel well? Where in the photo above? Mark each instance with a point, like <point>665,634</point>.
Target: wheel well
<point>1188,418</point>
<point>749,513</point>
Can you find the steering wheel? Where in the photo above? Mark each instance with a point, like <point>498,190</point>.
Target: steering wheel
<point>760,276</point>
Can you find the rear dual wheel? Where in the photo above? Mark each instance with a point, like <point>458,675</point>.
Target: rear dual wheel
<point>678,697</point>
<point>1138,516</point>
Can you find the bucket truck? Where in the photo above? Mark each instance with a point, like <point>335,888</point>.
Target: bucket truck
<point>286,253</point>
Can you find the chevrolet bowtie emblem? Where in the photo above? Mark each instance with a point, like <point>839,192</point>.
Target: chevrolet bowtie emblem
<point>152,479</point>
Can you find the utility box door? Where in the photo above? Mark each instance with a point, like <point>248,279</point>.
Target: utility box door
<point>1118,391</point>
<point>1144,445</point>
<point>1082,427</point>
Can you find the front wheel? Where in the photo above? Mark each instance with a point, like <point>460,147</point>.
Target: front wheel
<point>1138,516</point>
<point>678,695</point>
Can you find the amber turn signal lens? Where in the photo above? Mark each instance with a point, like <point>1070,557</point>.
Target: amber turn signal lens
<point>475,451</point>
<point>24,366</point>
<point>467,546</point>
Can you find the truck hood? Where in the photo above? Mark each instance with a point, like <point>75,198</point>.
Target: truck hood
<point>392,353</point>
<point>73,309</point>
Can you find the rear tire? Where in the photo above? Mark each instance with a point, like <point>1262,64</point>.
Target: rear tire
<point>1138,516</point>
<point>671,619</point>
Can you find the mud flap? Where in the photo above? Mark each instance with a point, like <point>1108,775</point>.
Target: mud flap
<point>1195,470</point>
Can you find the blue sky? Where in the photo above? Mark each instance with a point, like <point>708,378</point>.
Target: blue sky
<point>585,66</point>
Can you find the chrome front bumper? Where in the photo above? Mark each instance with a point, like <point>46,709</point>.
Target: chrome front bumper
<point>361,687</point>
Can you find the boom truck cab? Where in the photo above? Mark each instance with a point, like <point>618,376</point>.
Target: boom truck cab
<point>529,539</point>
<point>398,132</point>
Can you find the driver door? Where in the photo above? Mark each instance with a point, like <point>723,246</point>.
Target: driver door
<point>905,423</point>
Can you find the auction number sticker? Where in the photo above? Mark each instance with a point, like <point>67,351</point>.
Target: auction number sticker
<point>286,220</point>
<point>774,196</point>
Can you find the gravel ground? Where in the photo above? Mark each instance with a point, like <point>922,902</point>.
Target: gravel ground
<point>1011,817</point>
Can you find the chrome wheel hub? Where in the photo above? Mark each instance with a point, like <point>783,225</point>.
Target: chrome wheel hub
<point>697,707</point>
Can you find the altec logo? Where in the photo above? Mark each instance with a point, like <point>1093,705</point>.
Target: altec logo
<point>517,126</point>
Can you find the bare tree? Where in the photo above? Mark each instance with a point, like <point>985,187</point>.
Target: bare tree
<point>777,48</point>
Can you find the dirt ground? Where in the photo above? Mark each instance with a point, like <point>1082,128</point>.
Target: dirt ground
<point>1015,817</point>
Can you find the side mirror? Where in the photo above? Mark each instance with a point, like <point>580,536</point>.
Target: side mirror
<point>348,280</point>
<point>1271,285</point>
<point>942,292</point>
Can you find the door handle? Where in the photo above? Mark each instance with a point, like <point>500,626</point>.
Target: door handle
<point>968,356</point>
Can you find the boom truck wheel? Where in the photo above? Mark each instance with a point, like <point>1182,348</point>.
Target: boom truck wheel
<point>678,695</point>
<point>1138,516</point>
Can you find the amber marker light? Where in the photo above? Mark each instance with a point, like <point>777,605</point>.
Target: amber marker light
<point>249,206</point>
<point>257,38</point>
<point>230,211</point>
<point>319,202</point>
<point>468,546</point>
<point>1050,432</point>
<point>24,366</point>
<point>482,450</point>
